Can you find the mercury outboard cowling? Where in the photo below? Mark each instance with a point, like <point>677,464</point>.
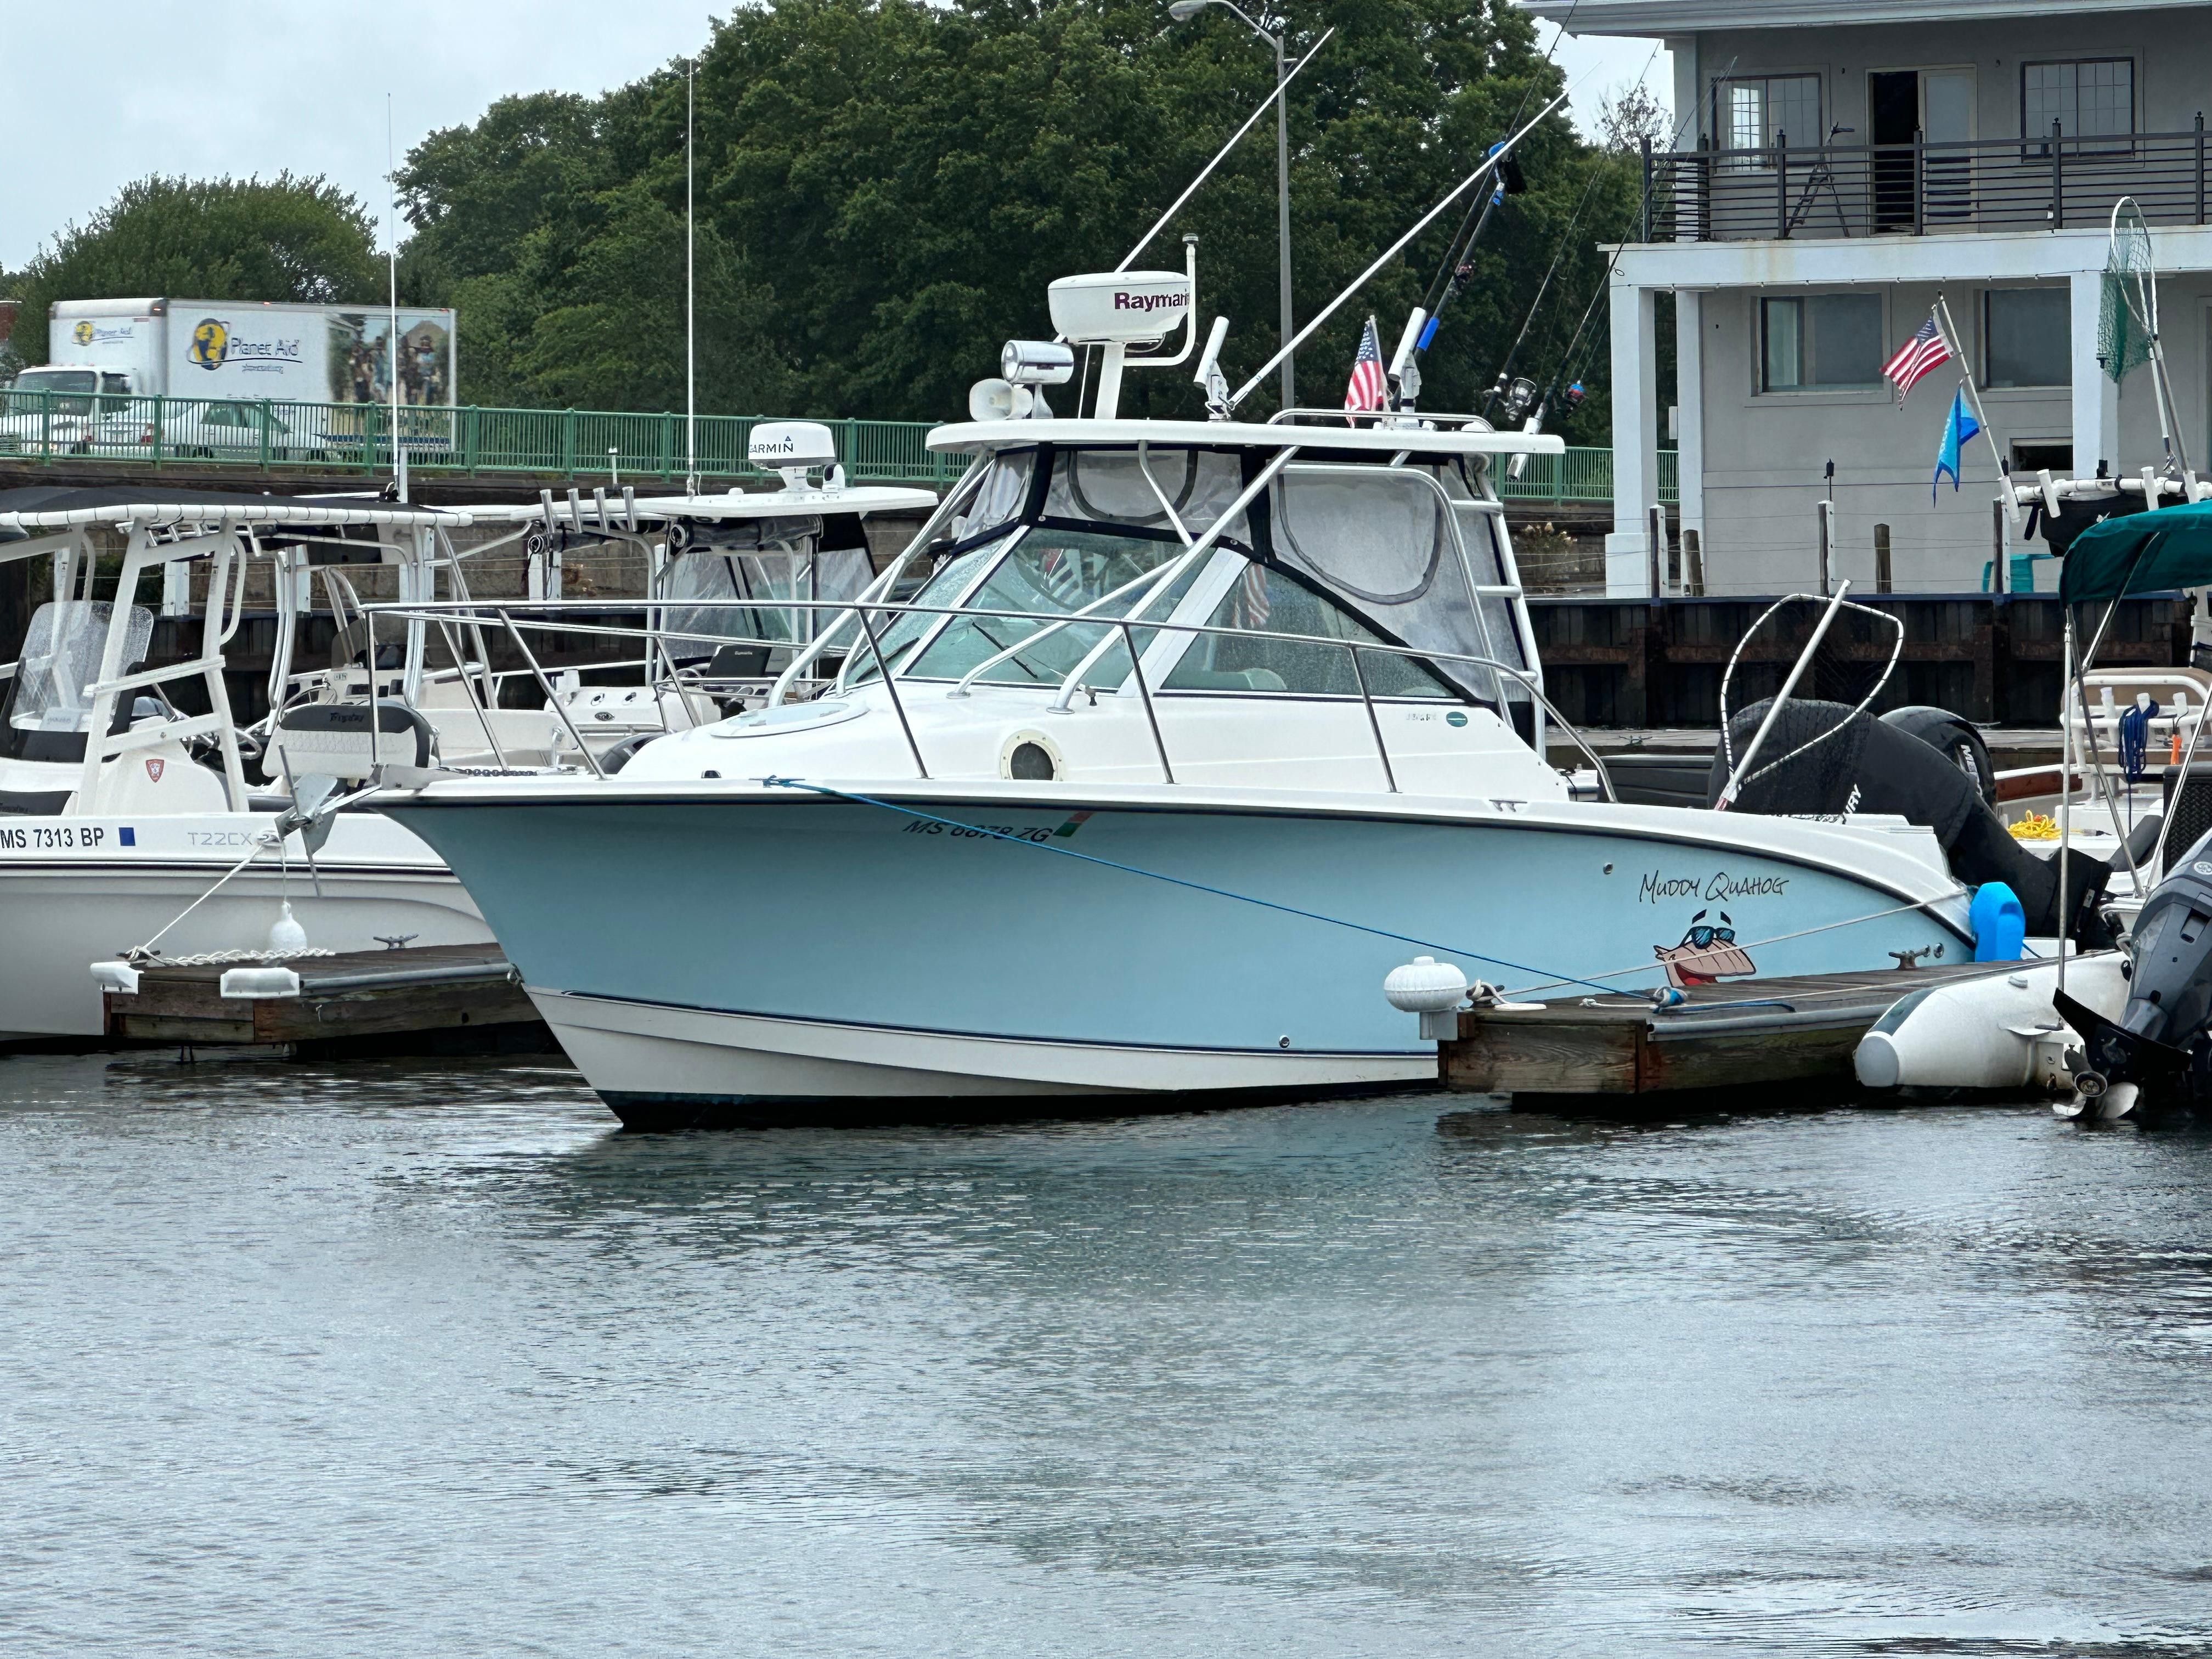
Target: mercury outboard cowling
<point>1856,763</point>
<point>2157,1056</point>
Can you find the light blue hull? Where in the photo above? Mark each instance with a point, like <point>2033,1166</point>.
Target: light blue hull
<point>852,919</point>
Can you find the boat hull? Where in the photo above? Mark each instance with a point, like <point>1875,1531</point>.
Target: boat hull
<point>75,890</point>
<point>769,950</point>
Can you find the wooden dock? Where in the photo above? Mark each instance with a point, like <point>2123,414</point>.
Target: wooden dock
<point>440,999</point>
<point>1744,1034</point>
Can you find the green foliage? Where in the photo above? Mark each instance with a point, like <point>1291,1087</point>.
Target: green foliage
<point>885,187</point>
<point>217,238</point>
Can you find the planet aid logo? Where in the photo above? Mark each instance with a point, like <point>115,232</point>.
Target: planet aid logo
<point>81,334</point>
<point>210,344</point>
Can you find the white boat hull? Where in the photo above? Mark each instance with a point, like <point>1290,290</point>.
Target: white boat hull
<point>72,892</point>
<point>659,1064</point>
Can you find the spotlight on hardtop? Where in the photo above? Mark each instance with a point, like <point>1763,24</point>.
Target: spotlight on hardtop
<point>1025,368</point>
<point>1036,362</point>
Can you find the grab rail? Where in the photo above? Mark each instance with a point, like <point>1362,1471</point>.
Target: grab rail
<point>410,610</point>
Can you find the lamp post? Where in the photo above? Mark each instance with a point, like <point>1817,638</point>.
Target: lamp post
<point>1182,11</point>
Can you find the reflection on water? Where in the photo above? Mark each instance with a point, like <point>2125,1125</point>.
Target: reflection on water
<point>306,1360</point>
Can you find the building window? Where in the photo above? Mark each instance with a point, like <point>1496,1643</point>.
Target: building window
<point>1758,112</point>
<point>1821,342</point>
<point>2029,335</point>
<point>2093,98</point>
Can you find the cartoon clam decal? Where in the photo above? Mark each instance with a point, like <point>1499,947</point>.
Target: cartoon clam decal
<point>1707,952</point>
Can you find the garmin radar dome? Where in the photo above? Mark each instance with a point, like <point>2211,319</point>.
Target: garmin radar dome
<point>794,449</point>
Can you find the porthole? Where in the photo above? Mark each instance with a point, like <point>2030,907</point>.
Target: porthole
<point>1030,757</point>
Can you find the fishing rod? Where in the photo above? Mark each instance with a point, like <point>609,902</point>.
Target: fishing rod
<point>1568,358</point>
<point>1458,262</point>
<point>1453,264</point>
<point>1536,306</point>
<point>1504,378</point>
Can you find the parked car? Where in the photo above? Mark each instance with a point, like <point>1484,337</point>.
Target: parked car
<point>205,431</point>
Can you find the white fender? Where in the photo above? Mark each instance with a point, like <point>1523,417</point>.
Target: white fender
<point>2000,1031</point>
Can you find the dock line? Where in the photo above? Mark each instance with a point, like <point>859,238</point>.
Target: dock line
<point>1177,881</point>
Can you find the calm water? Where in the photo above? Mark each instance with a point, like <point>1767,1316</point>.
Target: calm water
<point>398,1361</point>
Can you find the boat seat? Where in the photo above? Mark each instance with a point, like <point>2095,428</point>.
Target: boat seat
<point>1660,778</point>
<point>333,739</point>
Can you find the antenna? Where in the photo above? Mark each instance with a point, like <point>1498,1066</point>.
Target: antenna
<point>690,310</point>
<point>391,337</point>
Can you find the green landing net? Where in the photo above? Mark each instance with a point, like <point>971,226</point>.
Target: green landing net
<point>2126,321</point>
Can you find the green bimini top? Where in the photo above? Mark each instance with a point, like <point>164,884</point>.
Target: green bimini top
<point>2153,552</point>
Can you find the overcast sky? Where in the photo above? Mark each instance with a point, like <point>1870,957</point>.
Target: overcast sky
<point>262,87</point>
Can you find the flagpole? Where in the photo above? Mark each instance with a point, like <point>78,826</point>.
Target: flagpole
<point>1950,330</point>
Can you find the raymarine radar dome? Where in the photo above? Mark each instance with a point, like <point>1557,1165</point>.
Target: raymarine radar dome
<point>1120,307</point>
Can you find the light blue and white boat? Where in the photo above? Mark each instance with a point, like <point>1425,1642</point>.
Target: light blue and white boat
<point>1192,731</point>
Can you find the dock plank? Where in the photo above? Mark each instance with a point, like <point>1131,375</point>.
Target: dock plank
<point>1801,1029</point>
<point>374,998</point>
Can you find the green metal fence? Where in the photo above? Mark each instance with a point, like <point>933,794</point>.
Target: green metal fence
<point>1583,475</point>
<point>275,436</point>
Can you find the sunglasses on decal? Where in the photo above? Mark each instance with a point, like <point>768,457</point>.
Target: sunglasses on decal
<point>1701,937</point>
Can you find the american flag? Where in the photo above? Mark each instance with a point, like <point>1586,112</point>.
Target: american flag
<point>1252,606</point>
<point>1365,390</point>
<point>1918,355</point>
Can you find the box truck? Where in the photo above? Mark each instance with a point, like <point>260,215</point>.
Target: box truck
<point>237,361</point>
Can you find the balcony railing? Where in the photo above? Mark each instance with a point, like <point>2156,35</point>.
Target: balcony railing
<point>271,435</point>
<point>2044,182</point>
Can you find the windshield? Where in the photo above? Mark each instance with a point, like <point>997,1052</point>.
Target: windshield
<point>48,713</point>
<point>898,632</point>
<point>1054,571</point>
<point>58,380</point>
<point>778,567</point>
<point>1268,602</point>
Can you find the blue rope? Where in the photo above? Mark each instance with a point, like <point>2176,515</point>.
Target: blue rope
<point>1194,886</point>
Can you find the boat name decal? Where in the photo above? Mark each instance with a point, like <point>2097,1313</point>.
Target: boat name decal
<point>43,838</point>
<point>1655,887</point>
<point>988,831</point>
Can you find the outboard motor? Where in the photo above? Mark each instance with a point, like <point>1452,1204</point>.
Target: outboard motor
<point>1825,758</point>
<point>2157,1057</point>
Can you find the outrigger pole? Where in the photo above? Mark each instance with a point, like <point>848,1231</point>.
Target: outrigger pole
<point>1490,165</point>
<point>691,307</point>
<point>392,347</point>
<point>1222,155</point>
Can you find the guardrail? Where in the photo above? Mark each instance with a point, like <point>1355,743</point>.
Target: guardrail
<point>275,436</point>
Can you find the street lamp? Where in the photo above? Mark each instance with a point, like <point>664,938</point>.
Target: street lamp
<point>1182,11</point>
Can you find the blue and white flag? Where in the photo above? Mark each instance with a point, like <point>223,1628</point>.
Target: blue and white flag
<point>1958,431</point>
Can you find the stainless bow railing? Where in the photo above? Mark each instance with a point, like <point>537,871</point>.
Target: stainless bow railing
<point>511,617</point>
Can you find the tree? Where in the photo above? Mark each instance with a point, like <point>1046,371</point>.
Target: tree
<point>216,239</point>
<point>1632,117</point>
<point>885,188</point>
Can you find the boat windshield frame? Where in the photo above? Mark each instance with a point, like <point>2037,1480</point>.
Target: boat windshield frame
<point>1196,594</point>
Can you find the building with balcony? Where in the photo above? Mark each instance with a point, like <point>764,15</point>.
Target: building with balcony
<point>1842,165</point>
